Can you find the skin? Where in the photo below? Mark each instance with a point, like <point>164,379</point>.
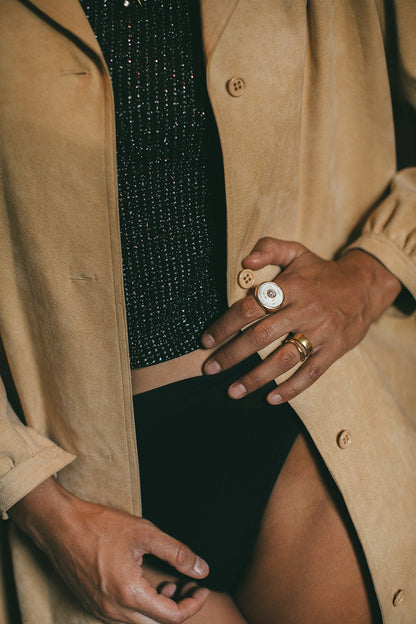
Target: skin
<point>307,564</point>
<point>99,551</point>
<point>333,303</point>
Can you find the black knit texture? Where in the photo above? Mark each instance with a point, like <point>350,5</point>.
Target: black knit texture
<point>171,189</point>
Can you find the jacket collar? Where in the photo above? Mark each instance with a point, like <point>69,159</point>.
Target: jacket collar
<point>70,16</point>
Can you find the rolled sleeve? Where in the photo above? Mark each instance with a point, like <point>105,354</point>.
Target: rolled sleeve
<point>390,232</point>
<point>26,458</point>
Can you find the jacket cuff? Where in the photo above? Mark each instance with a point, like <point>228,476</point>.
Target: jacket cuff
<point>29,473</point>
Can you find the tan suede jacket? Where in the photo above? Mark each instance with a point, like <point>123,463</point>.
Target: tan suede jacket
<point>309,155</point>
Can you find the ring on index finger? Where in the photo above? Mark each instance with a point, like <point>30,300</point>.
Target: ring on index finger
<point>269,296</point>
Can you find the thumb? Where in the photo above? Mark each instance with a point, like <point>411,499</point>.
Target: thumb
<point>176,554</point>
<point>273,251</point>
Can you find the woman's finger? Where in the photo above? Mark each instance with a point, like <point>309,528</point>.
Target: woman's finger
<point>277,363</point>
<point>303,378</point>
<point>167,611</point>
<point>168,589</point>
<point>268,251</point>
<point>271,251</point>
<point>253,339</point>
<point>175,553</point>
<point>239,315</point>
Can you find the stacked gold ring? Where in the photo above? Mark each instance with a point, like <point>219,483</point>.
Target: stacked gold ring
<point>302,344</point>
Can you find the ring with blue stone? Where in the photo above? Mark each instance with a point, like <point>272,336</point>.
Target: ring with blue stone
<point>269,296</point>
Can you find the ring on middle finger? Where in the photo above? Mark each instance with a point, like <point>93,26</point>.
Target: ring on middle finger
<point>305,342</point>
<point>292,340</point>
<point>269,296</point>
<point>302,344</point>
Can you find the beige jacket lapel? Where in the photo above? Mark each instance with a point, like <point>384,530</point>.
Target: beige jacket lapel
<point>68,14</point>
<point>215,15</point>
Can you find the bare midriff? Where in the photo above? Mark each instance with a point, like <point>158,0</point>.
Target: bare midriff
<point>150,377</point>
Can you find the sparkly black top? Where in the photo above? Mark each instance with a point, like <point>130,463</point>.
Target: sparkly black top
<point>171,192</point>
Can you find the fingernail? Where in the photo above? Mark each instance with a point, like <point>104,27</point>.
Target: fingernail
<point>212,367</point>
<point>255,254</point>
<point>275,399</point>
<point>237,390</point>
<point>208,340</point>
<point>201,567</point>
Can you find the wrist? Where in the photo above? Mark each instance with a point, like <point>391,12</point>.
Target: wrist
<point>42,509</point>
<point>380,286</point>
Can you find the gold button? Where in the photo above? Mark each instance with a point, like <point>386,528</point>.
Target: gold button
<point>398,598</point>
<point>344,439</point>
<point>245,279</point>
<point>236,86</point>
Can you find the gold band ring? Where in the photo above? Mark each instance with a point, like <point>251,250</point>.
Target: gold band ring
<point>303,345</point>
<point>269,296</point>
<point>298,347</point>
<point>304,342</point>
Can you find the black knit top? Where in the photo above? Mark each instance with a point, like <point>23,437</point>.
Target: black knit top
<point>171,192</point>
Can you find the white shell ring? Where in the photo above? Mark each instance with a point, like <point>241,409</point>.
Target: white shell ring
<point>270,296</point>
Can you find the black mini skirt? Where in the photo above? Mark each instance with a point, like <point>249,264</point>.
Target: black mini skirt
<point>208,465</point>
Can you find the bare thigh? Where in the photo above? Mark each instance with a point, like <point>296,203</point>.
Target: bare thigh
<point>218,609</point>
<point>307,565</point>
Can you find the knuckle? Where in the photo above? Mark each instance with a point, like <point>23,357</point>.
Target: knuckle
<point>340,344</point>
<point>326,326</point>
<point>147,524</point>
<point>249,309</point>
<point>220,330</point>
<point>300,247</point>
<point>314,372</point>
<point>316,309</point>
<point>177,618</point>
<point>255,381</point>
<point>292,390</point>
<point>266,241</point>
<point>308,306</point>
<point>228,358</point>
<point>300,284</point>
<point>147,531</point>
<point>183,555</point>
<point>289,356</point>
<point>261,334</point>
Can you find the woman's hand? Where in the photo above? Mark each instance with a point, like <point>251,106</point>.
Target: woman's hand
<point>99,552</point>
<point>332,303</point>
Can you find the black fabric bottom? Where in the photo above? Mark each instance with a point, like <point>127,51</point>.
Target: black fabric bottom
<point>208,465</point>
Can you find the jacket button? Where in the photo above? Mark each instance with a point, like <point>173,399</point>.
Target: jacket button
<point>344,439</point>
<point>236,86</point>
<point>398,598</point>
<point>245,279</point>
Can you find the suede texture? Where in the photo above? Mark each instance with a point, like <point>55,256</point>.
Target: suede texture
<point>309,155</point>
